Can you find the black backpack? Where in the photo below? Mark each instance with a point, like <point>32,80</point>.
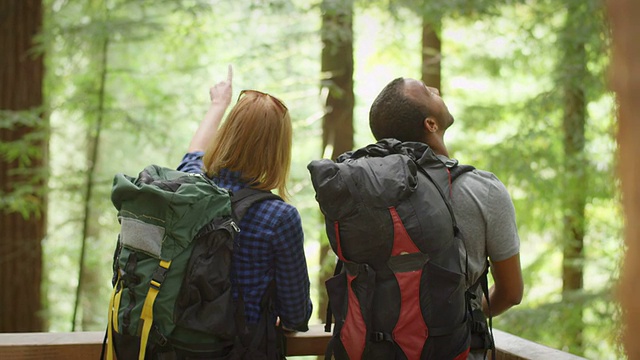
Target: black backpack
<point>172,293</point>
<point>401,293</point>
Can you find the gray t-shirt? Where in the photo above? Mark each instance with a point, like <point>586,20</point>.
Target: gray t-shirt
<point>486,218</point>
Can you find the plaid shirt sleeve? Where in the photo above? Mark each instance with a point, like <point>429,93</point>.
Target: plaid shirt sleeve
<point>293,303</point>
<point>192,162</point>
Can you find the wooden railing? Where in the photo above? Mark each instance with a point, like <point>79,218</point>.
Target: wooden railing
<point>87,345</point>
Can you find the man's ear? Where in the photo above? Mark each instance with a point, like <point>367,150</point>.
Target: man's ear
<point>430,124</point>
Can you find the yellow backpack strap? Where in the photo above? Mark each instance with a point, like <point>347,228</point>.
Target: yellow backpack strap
<point>114,305</point>
<point>116,309</point>
<point>147,308</point>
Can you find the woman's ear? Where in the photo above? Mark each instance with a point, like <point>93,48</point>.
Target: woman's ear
<point>430,124</point>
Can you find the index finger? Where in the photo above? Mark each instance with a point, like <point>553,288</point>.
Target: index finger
<point>229,73</point>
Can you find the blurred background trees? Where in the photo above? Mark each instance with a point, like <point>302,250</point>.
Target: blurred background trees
<point>126,84</point>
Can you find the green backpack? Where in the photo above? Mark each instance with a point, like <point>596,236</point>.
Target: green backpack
<point>172,282</point>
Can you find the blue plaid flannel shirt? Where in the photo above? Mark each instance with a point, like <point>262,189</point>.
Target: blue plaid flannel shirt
<point>270,246</point>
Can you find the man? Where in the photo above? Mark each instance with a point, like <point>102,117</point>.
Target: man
<point>408,110</point>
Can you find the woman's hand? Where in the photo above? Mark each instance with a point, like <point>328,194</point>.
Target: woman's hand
<point>220,93</point>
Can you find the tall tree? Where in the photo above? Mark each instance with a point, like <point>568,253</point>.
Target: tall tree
<point>337,84</point>
<point>573,79</point>
<point>337,76</point>
<point>23,141</point>
<point>86,277</point>
<point>626,81</point>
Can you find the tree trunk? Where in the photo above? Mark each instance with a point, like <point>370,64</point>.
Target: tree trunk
<point>337,79</point>
<point>337,83</point>
<point>574,76</point>
<point>21,233</point>
<point>624,15</point>
<point>87,276</point>
<point>431,53</point>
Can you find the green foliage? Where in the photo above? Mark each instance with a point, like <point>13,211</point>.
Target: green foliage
<point>26,193</point>
<point>600,321</point>
<point>29,146</point>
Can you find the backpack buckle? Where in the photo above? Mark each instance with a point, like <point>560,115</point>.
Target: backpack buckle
<point>378,336</point>
<point>451,163</point>
<point>158,337</point>
<point>159,274</point>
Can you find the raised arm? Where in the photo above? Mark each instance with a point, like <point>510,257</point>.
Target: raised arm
<point>220,95</point>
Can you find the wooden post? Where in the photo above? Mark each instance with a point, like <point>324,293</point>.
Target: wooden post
<point>624,15</point>
<point>23,223</point>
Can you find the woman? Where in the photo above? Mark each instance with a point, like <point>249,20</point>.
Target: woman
<point>252,148</point>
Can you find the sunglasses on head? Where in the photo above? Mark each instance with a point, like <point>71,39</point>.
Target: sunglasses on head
<point>278,102</point>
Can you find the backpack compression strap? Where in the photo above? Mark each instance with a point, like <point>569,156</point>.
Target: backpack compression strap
<point>114,307</point>
<point>329,316</point>
<point>112,319</point>
<point>147,309</point>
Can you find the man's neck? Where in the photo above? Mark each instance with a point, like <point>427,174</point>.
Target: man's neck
<point>436,144</point>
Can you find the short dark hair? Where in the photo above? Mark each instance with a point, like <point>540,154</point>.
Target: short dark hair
<point>394,115</point>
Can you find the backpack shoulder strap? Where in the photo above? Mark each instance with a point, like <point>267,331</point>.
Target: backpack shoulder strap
<point>242,200</point>
<point>442,194</point>
<point>458,170</point>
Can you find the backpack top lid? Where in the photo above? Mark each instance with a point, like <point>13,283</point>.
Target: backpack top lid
<point>162,209</point>
<point>357,192</point>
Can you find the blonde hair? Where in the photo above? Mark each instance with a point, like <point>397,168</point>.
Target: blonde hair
<point>254,140</point>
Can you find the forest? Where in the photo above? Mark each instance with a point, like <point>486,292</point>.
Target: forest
<point>111,86</point>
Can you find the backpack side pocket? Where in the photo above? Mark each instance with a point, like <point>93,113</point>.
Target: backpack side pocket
<point>351,296</point>
<point>205,302</point>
